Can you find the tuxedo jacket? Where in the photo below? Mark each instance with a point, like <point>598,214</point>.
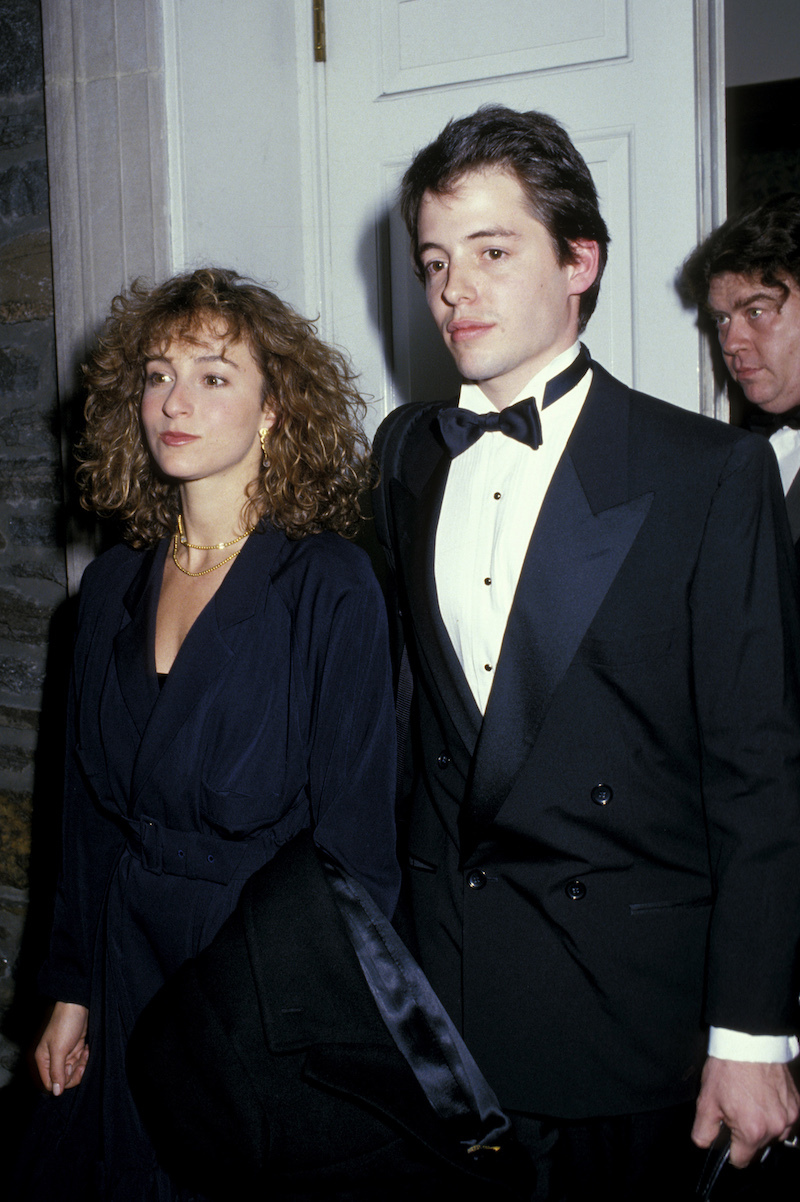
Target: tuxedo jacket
<point>265,1066</point>
<point>609,860</point>
<point>793,512</point>
<point>766,424</point>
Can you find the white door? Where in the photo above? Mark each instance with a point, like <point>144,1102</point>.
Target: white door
<point>619,74</point>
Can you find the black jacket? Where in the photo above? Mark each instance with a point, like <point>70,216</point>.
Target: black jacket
<point>610,859</point>
<point>265,1066</point>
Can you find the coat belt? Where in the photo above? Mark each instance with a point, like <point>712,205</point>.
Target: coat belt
<point>194,855</point>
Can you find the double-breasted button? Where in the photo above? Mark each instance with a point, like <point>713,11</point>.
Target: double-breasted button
<point>444,760</point>
<point>601,794</point>
<point>575,890</point>
<point>476,878</point>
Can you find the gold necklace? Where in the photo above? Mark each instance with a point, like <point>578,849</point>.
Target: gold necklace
<point>205,571</point>
<point>211,546</point>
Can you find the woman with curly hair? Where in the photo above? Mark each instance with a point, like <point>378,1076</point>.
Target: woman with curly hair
<point>231,684</point>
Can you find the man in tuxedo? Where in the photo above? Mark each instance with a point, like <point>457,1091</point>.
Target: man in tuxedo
<point>746,277</point>
<point>598,603</point>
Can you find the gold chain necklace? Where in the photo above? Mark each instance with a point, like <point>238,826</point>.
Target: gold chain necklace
<point>205,571</point>
<point>181,540</point>
<point>211,546</point>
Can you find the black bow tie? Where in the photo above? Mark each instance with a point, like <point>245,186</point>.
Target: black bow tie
<point>460,428</point>
<point>761,422</point>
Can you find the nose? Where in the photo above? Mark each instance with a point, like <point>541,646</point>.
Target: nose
<point>177,400</point>
<point>734,336</point>
<point>459,286</point>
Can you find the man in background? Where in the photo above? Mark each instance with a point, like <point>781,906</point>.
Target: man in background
<point>746,277</point>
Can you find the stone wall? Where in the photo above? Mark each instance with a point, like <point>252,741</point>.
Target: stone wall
<point>32,563</point>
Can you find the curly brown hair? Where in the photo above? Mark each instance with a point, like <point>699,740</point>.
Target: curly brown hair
<point>318,455</point>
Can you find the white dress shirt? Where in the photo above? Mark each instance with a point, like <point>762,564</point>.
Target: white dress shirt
<point>786,445</point>
<point>491,504</point>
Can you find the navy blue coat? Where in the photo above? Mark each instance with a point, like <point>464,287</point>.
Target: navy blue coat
<point>276,717</point>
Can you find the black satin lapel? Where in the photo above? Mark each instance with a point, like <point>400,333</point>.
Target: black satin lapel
<point>418,1023</point>
<point>134,646</point>
<point>418,518</point>
<point>572,560</point>
<point>793,507</point>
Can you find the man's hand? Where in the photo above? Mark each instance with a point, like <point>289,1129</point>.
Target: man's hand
<point>756,1102</point>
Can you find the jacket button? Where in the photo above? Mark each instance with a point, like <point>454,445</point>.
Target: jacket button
<point>575,890</point>
<point>476,879</point>
<point>602,794</point>
<point>444,760</point>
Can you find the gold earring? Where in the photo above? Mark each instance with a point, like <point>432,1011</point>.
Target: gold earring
<point>262,438</point>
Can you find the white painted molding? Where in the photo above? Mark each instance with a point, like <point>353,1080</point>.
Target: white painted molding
<point>317,298</point>
<point>107,170</point>
<point>711,166</point>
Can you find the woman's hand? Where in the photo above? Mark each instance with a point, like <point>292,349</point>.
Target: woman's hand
<point>62,1052</point>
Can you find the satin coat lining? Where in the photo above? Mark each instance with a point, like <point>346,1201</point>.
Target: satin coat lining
<point>416,1020</point>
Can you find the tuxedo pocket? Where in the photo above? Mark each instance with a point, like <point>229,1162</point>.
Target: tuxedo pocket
<point>627,649</point>
<point>657,907</point>
<point>420,865</point>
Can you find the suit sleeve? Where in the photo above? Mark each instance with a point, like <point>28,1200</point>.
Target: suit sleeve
<point>746,655</point>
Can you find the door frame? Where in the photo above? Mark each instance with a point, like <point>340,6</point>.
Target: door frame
<point>80,240</point>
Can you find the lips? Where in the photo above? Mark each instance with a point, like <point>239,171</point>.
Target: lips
<point>177,438</point>
<point>463,331</point>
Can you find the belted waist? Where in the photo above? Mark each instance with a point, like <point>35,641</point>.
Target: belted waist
<point>193,854</point>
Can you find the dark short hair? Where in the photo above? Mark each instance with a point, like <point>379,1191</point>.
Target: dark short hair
<point>763,242</point>
<point>537,150</point>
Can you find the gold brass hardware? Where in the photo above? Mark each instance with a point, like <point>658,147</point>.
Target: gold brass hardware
<point>319,31</point>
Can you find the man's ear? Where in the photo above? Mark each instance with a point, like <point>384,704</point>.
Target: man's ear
<point>584,266</point>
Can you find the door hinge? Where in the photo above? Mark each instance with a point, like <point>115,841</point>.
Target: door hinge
<point>319,31</point>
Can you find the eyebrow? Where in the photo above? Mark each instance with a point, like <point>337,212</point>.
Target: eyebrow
<point>197,359</point>
<point>747,301</point>
<point>215,359</point>
<point>498,232</point>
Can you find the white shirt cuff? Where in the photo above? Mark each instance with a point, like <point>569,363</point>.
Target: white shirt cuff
<point>763,1049</point>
